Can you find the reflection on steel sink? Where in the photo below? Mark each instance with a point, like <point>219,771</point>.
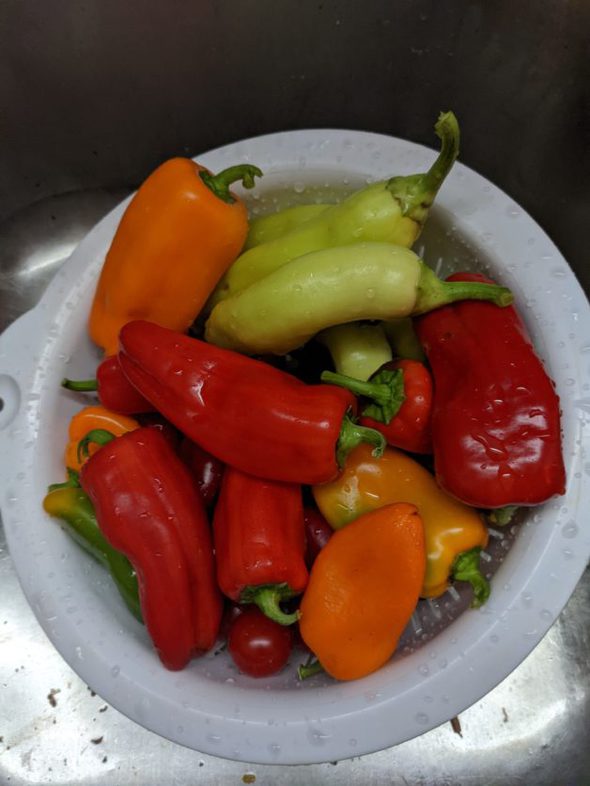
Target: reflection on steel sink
<point>532,729</point>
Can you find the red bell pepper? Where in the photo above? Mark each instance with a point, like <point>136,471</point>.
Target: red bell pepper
<point>401,395</point>
<point>148,508</point>
<point>114,390</point>
<point>244,412</point>
<point>206,470</point>
<point>495,421</point>
<point>259,539</point>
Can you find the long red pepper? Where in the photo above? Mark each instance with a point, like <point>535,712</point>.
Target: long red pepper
<point>495,421</point>
<point>244,412</point>
<point>148,507</point>
<point>114,390</point>
<point>259,538</point>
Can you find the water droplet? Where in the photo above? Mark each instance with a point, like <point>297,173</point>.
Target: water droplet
<point>299,188</point>
<point>527,599</point>
<point>545,614</point>
<point>422,718</point>
<point>214,738</point>
<point>115,671</point>
<point>570,530</point>
<point>352,742</point>
<point>558,272</point>
<point>494,638</point>
<point>424,670</point>
<point>274,748</point>
<point>442,664</point>
<point>370,293</point>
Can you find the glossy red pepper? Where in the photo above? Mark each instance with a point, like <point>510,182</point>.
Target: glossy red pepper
<point>114,390</point>
<point>401,396</point>
<point>317,533</point>
<point>259,539</point>
<point>148,508</point>
<point>206,469</point>
<point>244,412</point>
<point>495,422</point>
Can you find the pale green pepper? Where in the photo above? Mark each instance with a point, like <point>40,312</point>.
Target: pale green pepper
<point>403,339</point>
<point>391,211</point>
<point>358,349</point>
<point>366,281</point>
<point>266,228</point>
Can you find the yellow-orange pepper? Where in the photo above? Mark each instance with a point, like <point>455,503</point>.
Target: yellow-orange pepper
<point>178,235</point>
<point>88,419</point>
<point>363,588</point>
<point>454,532</point>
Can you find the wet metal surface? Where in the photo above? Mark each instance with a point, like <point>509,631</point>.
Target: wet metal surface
<point>532,729</point>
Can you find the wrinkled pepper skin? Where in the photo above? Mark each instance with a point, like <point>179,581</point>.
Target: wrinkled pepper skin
<point>247,414</point>
<point>88,419</point>
<point>114,390</point>
<point>148,508</point>
<point>450,527</point>
<point>391,211</point>
<point>362,591</point>
<point>175,240</point>
<point>259,538</point>
<point>72,506</point>
<point>364,281</point>
<point>496,418</point>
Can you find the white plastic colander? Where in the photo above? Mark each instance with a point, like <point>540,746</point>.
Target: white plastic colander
<point>450,655</point>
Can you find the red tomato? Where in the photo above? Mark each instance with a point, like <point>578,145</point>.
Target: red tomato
<point>259,647</point>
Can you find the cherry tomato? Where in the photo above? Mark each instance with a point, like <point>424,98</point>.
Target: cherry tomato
<point>259,647</point>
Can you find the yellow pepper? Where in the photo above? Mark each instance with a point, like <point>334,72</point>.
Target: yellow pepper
<point>455,533</point>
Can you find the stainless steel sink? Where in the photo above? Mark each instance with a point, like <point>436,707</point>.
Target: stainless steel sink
<point>98,92</point>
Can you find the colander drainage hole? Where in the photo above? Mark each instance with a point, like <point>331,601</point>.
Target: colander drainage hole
<point>9,400</point>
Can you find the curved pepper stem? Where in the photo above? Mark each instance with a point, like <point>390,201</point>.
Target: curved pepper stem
<point>98,436</point>
<point>416,193</point>
<point>221,182</point>
<point>351,435</point>
<point>72,482</point>
<point>309,669</point>
<point>80,385</point>
<point>268,597</point>
<point>385,389</point>
<point>433,293</point>
<point>466,568</point>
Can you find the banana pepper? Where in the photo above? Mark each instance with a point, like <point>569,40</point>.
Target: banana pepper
<point>455,533</point>
<point>366,281</point>
<point>391,211</point>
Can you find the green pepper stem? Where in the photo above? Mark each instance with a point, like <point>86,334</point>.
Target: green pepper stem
<point>500,517</point>
<point>447,130</point>
<point>309,669</point>
<point>98,436</point>
<point>221,182</point>
<point>72,482</point>
<point>268,597</point>
<point>416,193</point>
<point>385,389</point>
<point>466,568</point>
<point>352,435</point>
<point>433,293</point>
<point>80,385</point>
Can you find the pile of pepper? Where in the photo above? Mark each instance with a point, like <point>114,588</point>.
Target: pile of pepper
<point>212,476</point>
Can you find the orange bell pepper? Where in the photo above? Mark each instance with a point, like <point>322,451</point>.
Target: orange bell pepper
<point>88,419</point>
<point>455,533</point>
<point>362,591</point>
<point>178,235</point>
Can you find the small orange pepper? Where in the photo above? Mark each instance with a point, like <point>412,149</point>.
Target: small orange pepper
<point>455,533</point>
<point>178,235</point>
<point>88,419</point>
<point>362,591</point>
